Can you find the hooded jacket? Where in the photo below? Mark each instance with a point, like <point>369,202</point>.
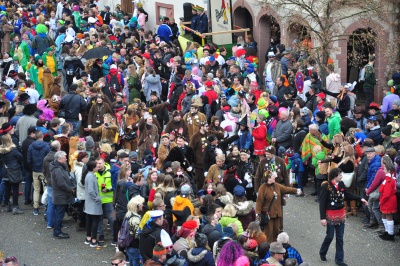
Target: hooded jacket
<point>200,256</point>
<point>332,84</point>
<point>152,83</point>
<point>375,135</point>
<point>11,157</point>
<point>96,73</point>
<point>179,204</point>
<point>125,191</point>
<point>62,186</point>
<point>226,220</point>
<point>334,125</point>
<point>37,151</point>
<point>213,235</point>
<point>245,212</point>
<point>150,236</point>
<point>373,166</point>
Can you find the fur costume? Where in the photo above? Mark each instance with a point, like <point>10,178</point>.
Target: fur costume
<point>163,152</point>
<point>176,154</point>
<point>53,103</point>
<point>47,113</point>
<point>47,82</point>
<point>54,87</point>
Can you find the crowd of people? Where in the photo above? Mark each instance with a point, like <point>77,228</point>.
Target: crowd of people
<point>188,155</point>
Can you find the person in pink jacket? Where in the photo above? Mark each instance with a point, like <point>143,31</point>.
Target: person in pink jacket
<point>142,18</point>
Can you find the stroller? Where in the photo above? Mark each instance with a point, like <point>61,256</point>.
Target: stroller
<point>72,209</point>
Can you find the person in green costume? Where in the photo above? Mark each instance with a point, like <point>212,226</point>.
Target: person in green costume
<point>36,74</point>
<point>50,61</point>
<point>21,50</point>
<point>77,16</point>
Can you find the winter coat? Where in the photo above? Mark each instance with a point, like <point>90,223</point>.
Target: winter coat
<point>93,205</point>
<point>179,204</point>
<point>245,139</point>
<point>283,134</point>
<point>260,138</point>
<point>80,188</point>
<point>213,235</point>
<point>96,73</point>
<point>200,257</point>
<point>298,138</point>
<point>97,113</point>
<point>245,212</point>
<point>150,236</point>
<point>72,104</point>
<point>297,164</point>
<point>62,186</point>
<point>148,136</point>
<point>10,157</point>
<point>107,134</point>
<point>152,83</point>
<point>226,220</point>
<point>265,165</point>
<point>388,199</point>
<point>198,143</point>
<point>178,90</point>
<point>193,122</point>
<point>22,126</point>
<point>373,166</point>
<point>362,170</point>
<point>214,173</point>
<point>124,192</point>
<point>307,120</point>
<point>375,135</point>
<point>37,151</point>
<point>186,102</point>
<point>179,128</point>
<point>24,148</point>
<point>332,85</point>
<point>163,152</point>
<point>334,125</point>
<point>46,167</point>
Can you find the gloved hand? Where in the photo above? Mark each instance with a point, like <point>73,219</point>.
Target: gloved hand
<point>205,174</point>
<point>155,145</point>
<point>189,169</point>
<point>218,151</point>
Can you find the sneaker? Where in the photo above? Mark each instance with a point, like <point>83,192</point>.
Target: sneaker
<point>94,245</point>
<point>101,239</point>
<point>17,211</point>
<point>323,258</point>
<point>49,227</point>
<point>387,237</point>
<point>113,243</point>
<point>87,242</point>
<point>64,226</point>
<point>36,212</point>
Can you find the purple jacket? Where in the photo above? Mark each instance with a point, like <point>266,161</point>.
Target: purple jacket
<point>387,103</point>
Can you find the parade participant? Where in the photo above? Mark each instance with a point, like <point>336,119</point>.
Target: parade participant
<point>333,214</point>
<point>269,202</point>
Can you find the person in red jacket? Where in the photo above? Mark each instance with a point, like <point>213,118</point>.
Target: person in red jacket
<point>260,137</point>
<point>210,93</point>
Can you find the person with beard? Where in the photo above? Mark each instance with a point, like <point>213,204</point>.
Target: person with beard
<point>74,63</point>
<point>97,70</point>
<point>182,153</point>
<point>177,125</point>
<point>97,112</point>
<point>35,73</point>
<point>198,143</point>
<point>361,120</point>
<point>193,119</point>
<point>162,113</point>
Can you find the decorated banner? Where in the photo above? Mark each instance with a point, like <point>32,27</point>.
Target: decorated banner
<point>221,20</point>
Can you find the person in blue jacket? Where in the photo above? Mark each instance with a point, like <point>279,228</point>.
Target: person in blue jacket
<point>123,159</point>
<point>193,24</point>
<point>297,169</point>
<point>164,31</point>
<point>245,139</point>
<point>202,22</point>
<point>374,130</point>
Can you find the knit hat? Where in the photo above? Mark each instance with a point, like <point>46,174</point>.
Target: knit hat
<point>304,110</point>
<point>387,130</point>
<point>273,98</point>
<point>239,191</point>
<point>228,232</point>
<point>89,143</point>
<point>242,261</point>
<point>201,240</point>
<point>321,115</point>
<point>252,244</point>
<point>261,103</point>
<point>270,149</point>
<point>396,102</point>
<point>185,191</point>
<point>231,168</point>
<point>191,225</point>
<point>159,250</point>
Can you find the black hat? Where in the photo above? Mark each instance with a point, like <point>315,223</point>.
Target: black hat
<point>24,96</point>
<point>314,75</point>
<point>201,240</point>
<point>243,121</point>
<point>387,130</point>
<point>166,165</point>
<point>84,74</point>
<point>29,109</point>
<point>211,138</point>
<point>31,129</point>
<point>231,167</point>
<point>321,115</point>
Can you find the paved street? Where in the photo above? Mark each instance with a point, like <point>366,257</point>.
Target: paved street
<point>26,237</point>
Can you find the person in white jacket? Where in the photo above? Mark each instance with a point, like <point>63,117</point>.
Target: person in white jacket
<point>332,82</point>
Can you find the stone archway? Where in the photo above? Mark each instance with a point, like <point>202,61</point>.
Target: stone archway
<point>380,62</point>
<point>268,27</point>
<point>242,18</point>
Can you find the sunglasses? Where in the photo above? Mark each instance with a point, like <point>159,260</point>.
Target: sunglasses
<point>116,264</point>
<point>169,247</point>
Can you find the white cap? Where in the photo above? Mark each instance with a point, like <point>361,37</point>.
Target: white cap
<point>165,239</point>
<point>156,213</point>
<point>92,20</point>
<point>270,54</point>
<point>113,66</point>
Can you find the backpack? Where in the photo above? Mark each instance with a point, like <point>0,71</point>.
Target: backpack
<point>124,237</point>
<point>70,69</point>
<point>114,82</point>
<point>42,44</point>
<point>361,76</point>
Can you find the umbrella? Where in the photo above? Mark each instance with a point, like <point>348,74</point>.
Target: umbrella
<point>97,53</point>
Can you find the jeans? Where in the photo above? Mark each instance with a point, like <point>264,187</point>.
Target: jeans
<point>50,212</point>
<point>37,184</point>
<point>373,206</point>
<point>75,130</point>
<point>330,232</point>
<point>2,191</point>
<point>28,186</point>
<point>107,211</point>
<point>15,189</point>
<point>59,211</point>
<point>134,256</point>
<point>299,180</point>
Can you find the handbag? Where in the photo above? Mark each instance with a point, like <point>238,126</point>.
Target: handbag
<point>264,220</point>
<point>14,176</point>
<point>347,179</point>
<point>131,136</point>
<point>375,194</point>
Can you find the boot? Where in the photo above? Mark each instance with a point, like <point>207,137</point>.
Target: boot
<point>387,237</point>
<point>353,205</point>
<point>346,209</point>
